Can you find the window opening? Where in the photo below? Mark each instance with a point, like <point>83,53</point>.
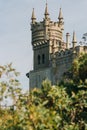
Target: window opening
<point>43,58</point>
<point>38,59</point>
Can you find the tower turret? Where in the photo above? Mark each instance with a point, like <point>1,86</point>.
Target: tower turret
<point>60,17</point>
<point>74,41</point>
<point>47,37</point>
<point>46,12</point>
<point>46,21</point>
<point>33,18</point>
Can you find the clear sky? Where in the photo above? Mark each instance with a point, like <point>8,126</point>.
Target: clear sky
<point>15,34</point>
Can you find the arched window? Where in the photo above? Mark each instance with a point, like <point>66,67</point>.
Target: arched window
<point>43,59</point>
<point>38,59</point>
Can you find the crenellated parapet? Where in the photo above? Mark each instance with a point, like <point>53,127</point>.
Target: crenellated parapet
<point>62,54</point>
<point>66,57</point>
<point>39,32</point>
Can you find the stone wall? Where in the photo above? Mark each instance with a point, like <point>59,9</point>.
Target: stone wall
<point>36,77</point>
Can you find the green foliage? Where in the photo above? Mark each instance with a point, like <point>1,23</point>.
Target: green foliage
<point>79,69</point>
<point>61,107</point>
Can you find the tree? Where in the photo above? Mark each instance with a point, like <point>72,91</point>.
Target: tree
<point>9,90</point>
<point>61,107</point>
<point>78,71</point>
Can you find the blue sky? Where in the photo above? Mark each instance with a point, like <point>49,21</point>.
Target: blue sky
<point>15,34</point>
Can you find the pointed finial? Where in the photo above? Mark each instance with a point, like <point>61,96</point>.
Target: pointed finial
<point>60,15</point>
<point>33,17</point>
<point>46,11</point>
<point>61,21</point>
<point>74,41</point>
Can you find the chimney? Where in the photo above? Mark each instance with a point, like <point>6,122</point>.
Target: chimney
<point>74,41</point>
<point>67,40</point>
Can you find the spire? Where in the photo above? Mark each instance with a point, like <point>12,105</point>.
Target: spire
<point>46,12</point>
<point>61,22</point>
<point>74,41</point>
<point>60,15</point>
<point>33,17</point>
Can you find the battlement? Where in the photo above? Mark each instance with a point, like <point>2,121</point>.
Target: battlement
<point>41,32</point>
<point>66,56</point>
<point>41,24</point>
<point>62,54</point>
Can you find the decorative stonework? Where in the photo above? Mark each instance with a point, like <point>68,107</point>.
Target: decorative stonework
<point>52,56</point>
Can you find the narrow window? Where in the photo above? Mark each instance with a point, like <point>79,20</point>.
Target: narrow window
<point>43,59</point>
<point>38,59</point>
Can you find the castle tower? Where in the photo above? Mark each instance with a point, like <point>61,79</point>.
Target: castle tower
<point>52,57</point>
<point>40,42</point>
<point>47,39</point>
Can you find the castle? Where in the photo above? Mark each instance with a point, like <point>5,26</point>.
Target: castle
<point>52,57</point>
